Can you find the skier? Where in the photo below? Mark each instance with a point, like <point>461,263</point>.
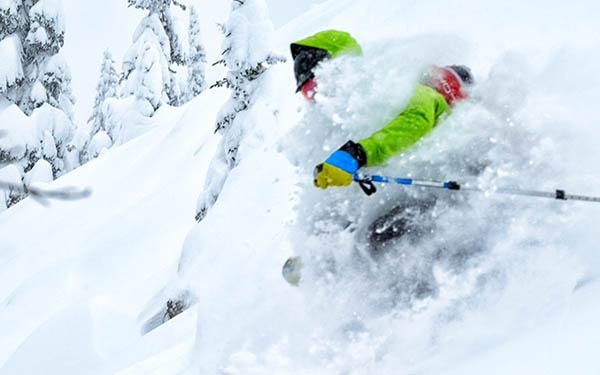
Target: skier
<point>440,88</point>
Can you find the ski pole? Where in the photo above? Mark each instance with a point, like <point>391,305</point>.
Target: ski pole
<point>366,184</point>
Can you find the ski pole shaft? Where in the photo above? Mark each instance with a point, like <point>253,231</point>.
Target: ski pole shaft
<point>366,183</point>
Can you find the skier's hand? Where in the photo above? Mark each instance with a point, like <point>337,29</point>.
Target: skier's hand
<point>337,170</point>
<point>329,175</point>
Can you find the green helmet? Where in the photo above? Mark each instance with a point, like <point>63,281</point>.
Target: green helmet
<point>308,52</point>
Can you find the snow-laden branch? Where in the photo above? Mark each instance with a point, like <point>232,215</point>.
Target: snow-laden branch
<point>44,195</point>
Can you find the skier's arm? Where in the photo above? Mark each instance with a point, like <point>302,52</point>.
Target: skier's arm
<point>418,117</point>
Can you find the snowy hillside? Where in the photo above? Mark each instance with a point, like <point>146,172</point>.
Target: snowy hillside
<point>489,284</point>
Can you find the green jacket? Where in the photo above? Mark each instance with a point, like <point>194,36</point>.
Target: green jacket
<point>416,120</point>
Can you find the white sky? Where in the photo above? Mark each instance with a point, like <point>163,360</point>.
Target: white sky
<point>95,25</point>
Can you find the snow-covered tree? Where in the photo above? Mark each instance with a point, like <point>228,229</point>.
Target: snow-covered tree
<point>99,142</point>
<point>47,73</point>
<point>36,79</point>
<point>32,32</point>
<point>10,20</point>
<point>55,79</point>
<point>247,53</point>
<point>106,88</point>
<point>154,66</point>
<point>197,59</point>
<point>250,112</point>
<point>11,49</point>
<point>10,196</point>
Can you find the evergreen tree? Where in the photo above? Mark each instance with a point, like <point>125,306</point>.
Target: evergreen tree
<point>32,34</point>
<point>33,73</point>
<point>10,20</point>
<point>197,59</point>
<point>47,73</point>
<point>106,88</point>
<point>154,67</point>
<point>12,34</point>
<point>247,54</point>
<point>10,196</point>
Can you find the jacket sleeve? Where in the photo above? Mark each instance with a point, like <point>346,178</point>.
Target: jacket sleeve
<point>416,120</point>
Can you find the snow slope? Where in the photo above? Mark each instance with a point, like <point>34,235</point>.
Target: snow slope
<point>74,278</point>
<point>80,257</point>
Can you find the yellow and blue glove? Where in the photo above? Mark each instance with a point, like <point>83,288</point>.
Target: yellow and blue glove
<point>339,168</point>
